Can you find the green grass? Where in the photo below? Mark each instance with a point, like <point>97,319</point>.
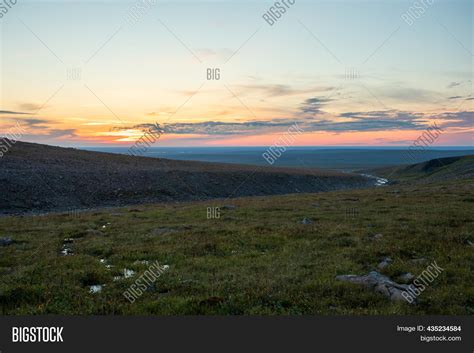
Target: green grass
<point>256,259</point>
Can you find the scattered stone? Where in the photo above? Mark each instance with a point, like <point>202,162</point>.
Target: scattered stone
<point>306,221</point>
<point>104,262</point>
<point>128,273</point>
<point>66,249</point>
<point>406,277</point>
<point>385,262</point>
<point>228,207</point>
<point>6,241</point>
<point>420,260</point>
<point>141,262</point>
<point>96,288</point>
<point>379,284</point>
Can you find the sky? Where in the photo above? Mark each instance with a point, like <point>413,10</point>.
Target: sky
<point>348,73</point>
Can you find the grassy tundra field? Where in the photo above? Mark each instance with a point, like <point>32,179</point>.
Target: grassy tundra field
<point>258,258</point>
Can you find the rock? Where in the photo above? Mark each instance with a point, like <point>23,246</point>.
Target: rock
<point>385,262</point>
<point>421,260</point>
<point>306,221</point>
<point>66,251</point>
<point>128,273</point>
<point>377,236</point>
<point>6,241</point>
<point>96,288</point>
<point>228,207</point>
<point>406,277</point>
<point>470,243</point>
<point>379,284</point>
<point>141,262</point>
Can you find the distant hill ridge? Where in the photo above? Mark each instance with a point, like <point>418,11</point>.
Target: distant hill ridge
<point>37,178</point>
<point>434,170</point>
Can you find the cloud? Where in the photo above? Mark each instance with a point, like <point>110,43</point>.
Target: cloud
<point>30,106</point>
<point>34,122</point>
<point>454,84</point>
<point>8,112</point>
<point>464,119</point>
<point>55,133</point>
<point>220,54</point>
<point>468,98</point>
<point>313,105</point>
<point>278,90</point>
<point>215,127</point>
<point>388,120</point>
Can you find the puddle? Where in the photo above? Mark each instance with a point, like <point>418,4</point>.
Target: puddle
<point>96,288</point>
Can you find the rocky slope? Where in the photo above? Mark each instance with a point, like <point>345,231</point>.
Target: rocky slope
<point>38,178</point>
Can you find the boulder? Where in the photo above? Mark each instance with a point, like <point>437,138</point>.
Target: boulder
<point>379,284</point>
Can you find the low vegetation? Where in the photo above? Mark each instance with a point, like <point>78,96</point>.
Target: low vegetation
<point>258,258</point>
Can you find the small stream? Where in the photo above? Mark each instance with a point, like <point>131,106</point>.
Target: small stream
<point>378,181</point>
